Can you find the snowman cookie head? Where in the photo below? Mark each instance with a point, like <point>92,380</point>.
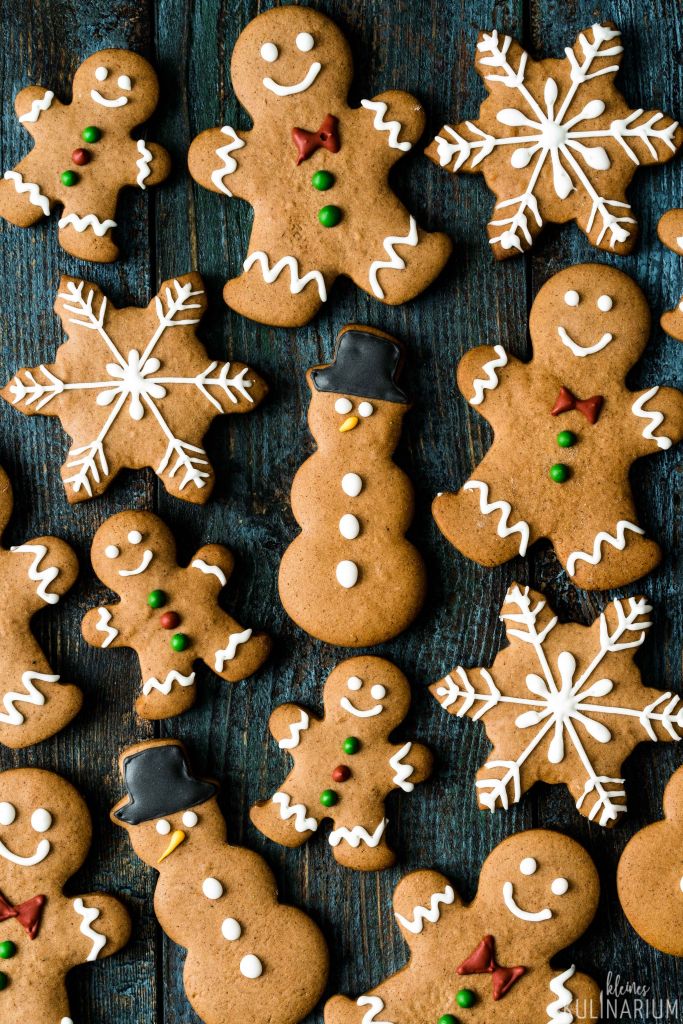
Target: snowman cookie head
<point>289,61</point>
<point>368,695</point>
<point>119,87</point>
<point>169,814</point>
<point>589,322</point>
<point>129,547</point>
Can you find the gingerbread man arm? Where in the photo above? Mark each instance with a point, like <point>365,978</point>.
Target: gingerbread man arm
<point>101,927</point>
<point>399,119</point>
<point>218,160</point>
<point>482,375</point>
<point>421,899</point>
<point>148,163</point>
<point>410,764</point>
<point>31,105</point>
<point>658,419</point>
<point>673,797</point>
<point>100,627</point>
<point>287,724</point>
<point>216,563</point>
<point>51,567</point>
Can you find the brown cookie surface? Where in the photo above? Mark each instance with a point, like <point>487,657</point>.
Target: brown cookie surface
<point>670,231</point>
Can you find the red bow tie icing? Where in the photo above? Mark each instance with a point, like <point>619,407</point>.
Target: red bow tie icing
<point>483,961</point>
<point>28,914</point>
<point>590,407</point>
<point>326,137</point>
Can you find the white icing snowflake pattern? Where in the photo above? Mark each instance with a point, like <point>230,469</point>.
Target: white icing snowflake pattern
<point>563,133</point>
<point>552,715</point>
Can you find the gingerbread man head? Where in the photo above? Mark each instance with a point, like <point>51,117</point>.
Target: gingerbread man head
<point>379,696</point>
<point>120,87</point>
<point>126,545</point>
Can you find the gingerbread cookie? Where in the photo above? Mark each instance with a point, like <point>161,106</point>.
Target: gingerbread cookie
<point>488,962</point>
<point>351,577</point>
<point>567,430</point>
<point>249,958</point>
<point>328,209</point>
<point>563,704</point>
<point>45,835</point>
<point>345,765</point>
<point>670,231</point>
<point>84,153</point>
<point>556,141</point>
<point>650,875</point>
<point>134,388</point>
<point>35,574</point>
<point>168,614</point>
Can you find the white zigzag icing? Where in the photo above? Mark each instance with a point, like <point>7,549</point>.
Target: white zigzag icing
<point>403,771</point>
<point>43,577</point>
<point>229,652</point>
<point>616,540</point>
<point>295,730</point>
<point>655,418</point>
<point>37,108</point>
<point>297,283</point>
<point>415,924</point>
<point>558,1011</point>
<point>395,262</point>
<point>212,570</point>
<point>376,1006</point>
<point>504,529</point>
<point>102,624</point>
<point>490,381</point>
<point>392,127</point>
<point>229,162</point>
<point>32,696</point>
<point>357,835</point>
<point>100,227</point>
<point>143,164</point>
<point>35,196</point>
<point>90,914</point>
<point>165,687</point>
<point>296,811</point>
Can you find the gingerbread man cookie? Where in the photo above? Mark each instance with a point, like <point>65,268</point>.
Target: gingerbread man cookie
<point>45,835</point>
<point>135,387</point>
<point>167,613</point>
<point>249,958</point>
<point>84,153</point>
<point>489,962</point>
<point>35,574</point>
<point>670,231</point>
<point>563,704</point>
<point>650,875</point>
<point>567,430</point>
<point>351,577</point>
<point>345,765</point>
<point>328,209</point>
<point>556,141</point>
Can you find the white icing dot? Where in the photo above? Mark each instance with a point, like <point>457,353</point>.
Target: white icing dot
<point>605,303</point>
<point>232,930</point>
<point>378,691</point>
<point>305,41</point>
<point>101,73</point>
<point>270,52</point>
<point>190,819</point>
<point>352,484</point>
<point>349,527</point>
<point>134,537</point>
<point>528,866</point>
<point>347,574</point>
<point>366,409</point>
<point>41,820</point>
<point>66,1020</point>
<point>572,298</point>
<point>343,405</point>
<point>7,813</point>
<point>560,886</point>
<point>124,82</point>
<point>163,827</point>
<point>212,889</point>
<point>111,551</point>
<point>354,683</point>
<point>251,966</point>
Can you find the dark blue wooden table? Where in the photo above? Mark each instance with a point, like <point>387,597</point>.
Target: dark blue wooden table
<point>426,48</point>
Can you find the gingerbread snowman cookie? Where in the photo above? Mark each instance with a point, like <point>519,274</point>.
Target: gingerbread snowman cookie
<point>316,173</point>
<point>45,835</point>
<point>567,430</point>
<point>345,765</point>
<point>168,613</point>
<point>249,958</point>
<point>84,153</point>
<point>351,577</point>
<point>670,231</point>
<point>489,962</point>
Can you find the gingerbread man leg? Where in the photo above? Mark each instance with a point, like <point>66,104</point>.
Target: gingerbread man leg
<point>600,555</point>
<point>284,820</point>
<point>235,653</point>
<point>33,703</point>
<point>362,847</point>
<point>403,264</point>
<point>21,201</point>
<point>168,688</point>
<point>87,235</point>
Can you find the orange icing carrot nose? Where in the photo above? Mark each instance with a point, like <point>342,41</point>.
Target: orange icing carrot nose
<point>177,838</point>
<point>349,423</point>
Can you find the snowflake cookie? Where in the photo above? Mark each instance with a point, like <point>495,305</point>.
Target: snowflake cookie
<point>316,173</point>
<point>488,962</point>
<point>563,703</point>
<point>134,388</point>
<point>670,231</point>
<point>556,141</point>
<point>84,154</point>
<point>567,430</point>
<point>345,765</point>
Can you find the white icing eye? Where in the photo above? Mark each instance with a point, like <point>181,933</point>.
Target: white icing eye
<point>528,866</point>
<point>112,551</point>
<point>212,888</point>
<point>231,929</point>
<point>560,886</point>
<point>605,303</point>
<point>41,820</point>
<point>8,813</point>
<point>101,74</point>
<point>354,683</point>
<point>163,827</point>
<point>190,819</point>
<point>343,405</point>
<point>124,82</point>
<point>305,41</point>
<point>572,298</point>
<point>270,52</point>
<point>352,484</point>
<point>378,692</point>
<point>134,537</point>
<point>365,409</point>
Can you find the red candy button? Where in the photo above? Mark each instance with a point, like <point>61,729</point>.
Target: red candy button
<point>341,773</point>
<point>169,620</point>
<point>80,157</point>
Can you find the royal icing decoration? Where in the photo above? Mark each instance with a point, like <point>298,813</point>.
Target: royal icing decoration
<point>43,577</point>
<point>90,914</point>
<point>102,625</point>
<point>375,1006</point>
<point>228,162</point>
<point>296,282</point>
<point>504,529</point>
<point>357,835</point>
<point>37,108</point>
<point>654,418</point>
<point>395,262</point>
<point>392,128</point>
<point>235,640</point>
<point>11,714</point>
<point>430,914</point>
<point>211,570</point>
<point>35,196</point>
<point>402,771</point>
<point>490,379</point>
<point>81,224</point>
<point>172,677</point>
<point>558,1010</point>
<point>298,812</point>
<point>143,164</point>
<point>295,730</point>
<point>616,540</point>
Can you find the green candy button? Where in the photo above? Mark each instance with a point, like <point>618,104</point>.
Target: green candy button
<point>566,438</point>
<point>466,998</point>
<point>157,599</point>
<point>7,949</point>
<point>328,798</point>
<point>180,642</point>
<point>322,180</point>
<point>4,981</point>
<point>351,745</point>
<point>448,1018</point>
<point>559,473</point>
<point>91,134</point>
<point>329,216</point>
<point>68,178</point>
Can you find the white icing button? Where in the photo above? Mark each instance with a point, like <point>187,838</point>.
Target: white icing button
<point>560,886</point>
<point>572,298</point>
<point>365,409</point>
<point>41,820</point>
<point>528,866</point>
<point>349,527</point>
<point>7,813</point>
<point>352,484</point>
<point>232,930</point>
<point>124,82</point>
<point>163,827</point>
<point>190,819</point>
<point>354,683</point>
<point>343,405</point>
<point>251,966</point>
<point>212,889</point>
<point>111,551</point>
<point>66,1020</point>
<point>605,303</point>
<point>270,52</point>
<point>305,42</point>
<point>378,692</point>
<point>347,574</point>
<point>134,537</point>
<point>101,74</point>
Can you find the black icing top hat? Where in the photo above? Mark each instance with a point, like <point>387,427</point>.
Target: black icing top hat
<point>159,782</point>
<point>365,365</point>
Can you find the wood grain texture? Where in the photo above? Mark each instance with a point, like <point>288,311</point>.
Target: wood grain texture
<point>426,49</point>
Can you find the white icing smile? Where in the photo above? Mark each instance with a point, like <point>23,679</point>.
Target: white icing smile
<point>523,915</point>
<point>42,850</point>
<point>147,557</point>
<point>377,691</point>
<point>305,83</point>
<point>584,350</point>
<point>124,82</point>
